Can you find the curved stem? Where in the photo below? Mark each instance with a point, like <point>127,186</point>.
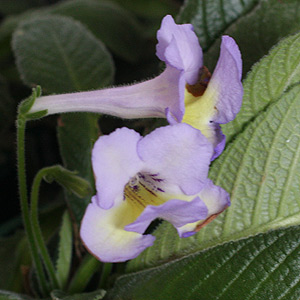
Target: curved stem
<point>106,270</point>
<point>37,230</point>
<point>84,273</point>
<point>21,125</point>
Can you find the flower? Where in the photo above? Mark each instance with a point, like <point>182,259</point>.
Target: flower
<point>183,92</point>
<point>138,179</point>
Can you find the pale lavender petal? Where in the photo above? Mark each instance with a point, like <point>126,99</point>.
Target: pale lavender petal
<point>216,200</point>
<point>177,212</point>
<point>180,154</point>
<point>225,85</point>
<point>102,232</point>
<point>179,47</point>
<point>220,141</point>
<point>115,161</point>
<point>148,99</point>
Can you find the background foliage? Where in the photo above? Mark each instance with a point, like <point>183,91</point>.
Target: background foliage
<point>249,252</point>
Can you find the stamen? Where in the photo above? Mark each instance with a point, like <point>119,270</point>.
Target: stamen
<point>200,86</point>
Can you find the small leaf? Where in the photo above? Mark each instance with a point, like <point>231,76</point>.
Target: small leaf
<point>61,55</point>
<point>262,267</point>
<point>211,18</point>
<point>69,180</point>
<point>260,170</point>
<point>63,264</point>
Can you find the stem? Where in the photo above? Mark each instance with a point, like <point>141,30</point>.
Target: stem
<point>83,275</point>
<point>106,270</point>
<point>21,125</point>
<point>37,230</point>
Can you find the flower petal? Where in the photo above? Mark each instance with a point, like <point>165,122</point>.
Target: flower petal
<point>103,234</point>
<point>148,99</point>
<point>216,200</point>
<point>225,88</point>
<point>115,161</point>
<point>179,47</point>
<point>180,154</point>
<point>177,212</point>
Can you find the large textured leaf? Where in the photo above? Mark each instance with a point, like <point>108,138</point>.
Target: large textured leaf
<point>270,21</point>
<point>261,171</point>
<point>112,24</point>
<point>96,295</point>
<point>268,80</point>
<point>6,295</point>
<point>211,18</point>
<point>76,135</point>
<point>258,268</point>
<point>63,56</point>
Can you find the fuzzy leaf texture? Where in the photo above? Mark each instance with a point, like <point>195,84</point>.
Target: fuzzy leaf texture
<point>257,268</point>
<point>63,264</point>
<point>61,55</point>
<point>211,18</point>
<point>260,171</point>
<point>269,20</point>
<point>96,295</point>
<point>75,60</point>
<point>5,295</point>
<point>268,80</point>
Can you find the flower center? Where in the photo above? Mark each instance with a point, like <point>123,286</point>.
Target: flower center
<point>144,189</point>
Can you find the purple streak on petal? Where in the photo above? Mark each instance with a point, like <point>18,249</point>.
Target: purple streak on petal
<point>221,141</point>
<point>115,161</point>
<point>177,212</point>
<point>187,234</point>
<point>180,154</point>
<point>107,242</point>
<point>179,47</point>
<point>226,83</point>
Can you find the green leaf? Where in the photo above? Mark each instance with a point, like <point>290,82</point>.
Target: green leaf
<point>260,169</point>
<point>61,55</point>
<point>268,80</point>
<point>6,295</point>
<point>114,26</point>
<point>63,264</point>
<point>118,29</point>
<point>96,295</point>
<point>17,6</point>
<point>150,9</point>
<point>211,18</point>
<point>262,267</point>
<point>14,252</point>
<point>270,21</point>
<point>76,135</point>
<point>75,60</point>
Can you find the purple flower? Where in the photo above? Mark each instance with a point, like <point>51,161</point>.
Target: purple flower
<point>184,92</point>
<point>138,179</point>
